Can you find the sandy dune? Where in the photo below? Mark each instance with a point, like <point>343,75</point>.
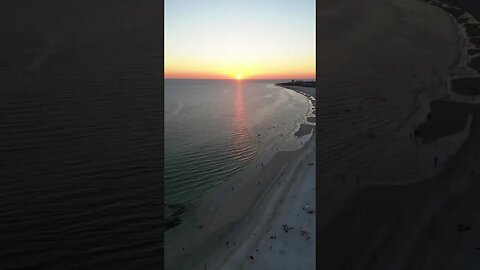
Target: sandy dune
<point>398,150</point>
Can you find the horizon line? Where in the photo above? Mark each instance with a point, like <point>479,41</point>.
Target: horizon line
<point>233,79</point>
<point>245,79</point>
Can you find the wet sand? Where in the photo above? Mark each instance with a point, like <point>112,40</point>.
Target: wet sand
<point>305,129</point>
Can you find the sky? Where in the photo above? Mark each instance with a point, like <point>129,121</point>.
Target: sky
<point>247,39</point>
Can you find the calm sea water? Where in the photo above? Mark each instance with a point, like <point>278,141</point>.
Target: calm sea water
<point>80,135</point>
<point>215,128</point>
<point>471,6</point>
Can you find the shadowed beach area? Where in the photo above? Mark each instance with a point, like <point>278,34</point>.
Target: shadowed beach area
<point>475,62</point>
<point>466,86</point>
<point>473,51</point>
<point>398,117</point>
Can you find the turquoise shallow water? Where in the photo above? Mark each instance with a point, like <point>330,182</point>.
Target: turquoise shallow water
<point>215,128</point>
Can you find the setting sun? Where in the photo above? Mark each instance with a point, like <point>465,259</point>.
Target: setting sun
<point>239,40</point>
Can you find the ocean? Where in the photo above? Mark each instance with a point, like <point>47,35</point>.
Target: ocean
<point>214,129</point>
<point>80,135</point>
<point>470,6</point>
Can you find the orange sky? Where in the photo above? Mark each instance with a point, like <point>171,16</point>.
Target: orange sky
<point>214,39</point>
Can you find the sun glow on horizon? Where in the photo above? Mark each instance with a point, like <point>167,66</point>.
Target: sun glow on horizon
<point>253,41</point>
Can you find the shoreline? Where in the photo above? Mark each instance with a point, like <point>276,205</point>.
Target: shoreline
<point>179,213</point>
<point>224,231</point>
<point>309,92</point>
